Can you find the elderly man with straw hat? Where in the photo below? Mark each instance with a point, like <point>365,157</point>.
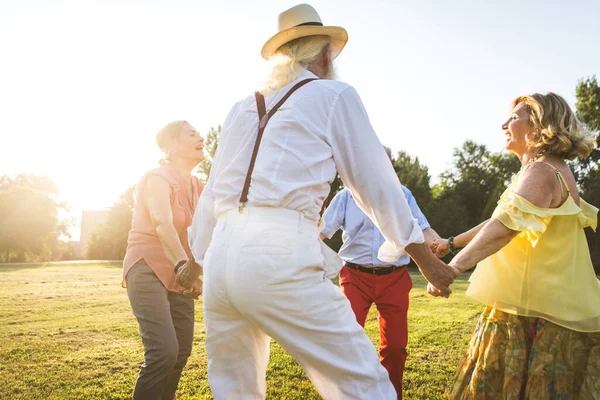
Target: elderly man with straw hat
<point>256,228</point>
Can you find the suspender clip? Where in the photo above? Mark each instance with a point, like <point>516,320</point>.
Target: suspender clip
<point>263,121</point>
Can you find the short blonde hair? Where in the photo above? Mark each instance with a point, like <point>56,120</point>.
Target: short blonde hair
<point>167,135</point>
<point>292,59</point>
<point>556,128</point>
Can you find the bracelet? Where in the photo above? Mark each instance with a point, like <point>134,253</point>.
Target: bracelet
<point>180,264</point>
<point>451,245</point>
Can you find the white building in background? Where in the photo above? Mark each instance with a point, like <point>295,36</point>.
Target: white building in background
<point>90,219</point>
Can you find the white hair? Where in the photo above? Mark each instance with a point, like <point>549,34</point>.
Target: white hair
<point>292,59</point>
<point>166,136</point>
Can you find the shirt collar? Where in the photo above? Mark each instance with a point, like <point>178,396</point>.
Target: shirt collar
<point>306,74</point>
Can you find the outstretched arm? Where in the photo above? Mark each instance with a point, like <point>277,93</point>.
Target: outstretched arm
<point>535,185</point>
<point>491,238</point>
<point>365,169</point>
<point>441,247</point>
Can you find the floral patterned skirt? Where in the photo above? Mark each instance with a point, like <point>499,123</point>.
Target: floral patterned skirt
<point>513,357</point>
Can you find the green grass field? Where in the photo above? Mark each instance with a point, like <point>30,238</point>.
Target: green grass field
<point>67,332</point>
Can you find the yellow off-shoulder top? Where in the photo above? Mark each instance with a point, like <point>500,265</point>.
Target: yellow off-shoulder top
<point>546,270</point>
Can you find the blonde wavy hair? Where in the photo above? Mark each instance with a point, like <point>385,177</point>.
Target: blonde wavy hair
<point>556,129</point>
<point>167,135</point>
<point>292,59</point>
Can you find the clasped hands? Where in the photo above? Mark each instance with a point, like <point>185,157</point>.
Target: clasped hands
<point>440,248</point>
<point>188,276</point>
<point>195,290</point>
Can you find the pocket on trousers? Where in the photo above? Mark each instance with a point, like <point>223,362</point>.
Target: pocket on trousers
<point>145,280</point>
<point>266,250</point>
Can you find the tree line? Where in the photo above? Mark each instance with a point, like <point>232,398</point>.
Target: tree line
<point>465,196</point>
<point>33,220</point>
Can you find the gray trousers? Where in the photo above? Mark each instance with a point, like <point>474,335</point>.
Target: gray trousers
<point>166,325</point>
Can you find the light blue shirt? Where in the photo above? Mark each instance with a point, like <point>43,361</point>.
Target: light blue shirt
<point>361,237</point>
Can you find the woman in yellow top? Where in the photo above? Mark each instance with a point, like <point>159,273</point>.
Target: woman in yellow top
<point>539,336</point>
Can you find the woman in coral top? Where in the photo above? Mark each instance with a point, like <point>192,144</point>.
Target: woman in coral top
<point>539,336</point>
<point>165,201</point>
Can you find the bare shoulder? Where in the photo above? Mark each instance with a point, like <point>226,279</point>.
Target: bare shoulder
<point>538,184</point>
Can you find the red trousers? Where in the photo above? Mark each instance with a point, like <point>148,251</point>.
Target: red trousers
<point>390,295</point>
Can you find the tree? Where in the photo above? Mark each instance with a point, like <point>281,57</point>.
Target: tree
<point>591,194</point>
<point>587,104</point>
<point>30,221</point>
<point>503,167</point>
<point>469,180</point>
<point>411,173</point>
<point>210,144</point>
<point>415,177</point>
<point>109,240</point>
<point>468,192</point>
<point>587,172</point>
<point>447,214</point>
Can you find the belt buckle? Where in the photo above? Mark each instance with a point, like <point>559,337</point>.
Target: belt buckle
<point>375,269</point>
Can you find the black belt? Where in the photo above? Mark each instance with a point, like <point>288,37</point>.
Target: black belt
<point>374,270</point>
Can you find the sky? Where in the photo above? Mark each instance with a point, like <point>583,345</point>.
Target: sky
<point>86,85</point>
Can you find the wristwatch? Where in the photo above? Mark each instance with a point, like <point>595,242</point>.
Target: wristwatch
<point>180,264</point>
<point>451,247</point>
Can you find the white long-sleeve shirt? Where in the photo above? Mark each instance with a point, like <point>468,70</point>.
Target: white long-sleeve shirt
<point>321,128</point>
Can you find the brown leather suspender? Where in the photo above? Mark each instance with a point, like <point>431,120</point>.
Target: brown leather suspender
<point>263,117</point>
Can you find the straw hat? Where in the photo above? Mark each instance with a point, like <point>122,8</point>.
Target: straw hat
<point>301,21</point>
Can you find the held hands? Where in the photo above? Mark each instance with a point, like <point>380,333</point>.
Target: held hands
<point>195,290</point>
<point>187,274</point>
<point>440,247</point>
<point>440,277</point>
<point>435,292</point>
<point>445,292</point>
<point>432,268</point>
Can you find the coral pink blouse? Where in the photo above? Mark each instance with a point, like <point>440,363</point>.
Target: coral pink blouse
<point>143,242</point>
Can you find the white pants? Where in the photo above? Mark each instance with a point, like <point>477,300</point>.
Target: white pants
<point>264,277</point>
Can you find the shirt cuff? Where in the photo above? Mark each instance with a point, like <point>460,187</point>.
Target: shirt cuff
<point>424,226</point>
<point>327,232</point>
<point>390,252</point>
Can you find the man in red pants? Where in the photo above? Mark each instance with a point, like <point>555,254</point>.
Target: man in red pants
<point>365,279</point>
